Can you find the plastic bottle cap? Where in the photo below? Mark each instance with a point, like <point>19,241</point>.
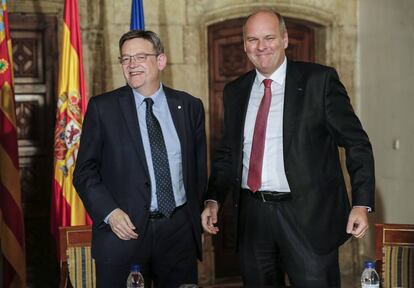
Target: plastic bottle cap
<point>369,264</point>
<point>135,268</point>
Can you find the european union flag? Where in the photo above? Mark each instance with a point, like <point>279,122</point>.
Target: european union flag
<point>137,15</point>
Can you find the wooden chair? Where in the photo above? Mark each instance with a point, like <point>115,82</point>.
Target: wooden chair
<point>77,268</point>
<point>394,254</point>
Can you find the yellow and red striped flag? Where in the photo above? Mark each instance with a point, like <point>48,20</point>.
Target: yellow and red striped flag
<point>67,208</point>
<point>11,214</point>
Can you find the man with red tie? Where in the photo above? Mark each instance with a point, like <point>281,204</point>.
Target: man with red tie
<point>283,124</point>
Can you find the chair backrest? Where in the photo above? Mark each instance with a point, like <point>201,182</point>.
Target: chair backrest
<point>75,258</point>
<point>394,253</point>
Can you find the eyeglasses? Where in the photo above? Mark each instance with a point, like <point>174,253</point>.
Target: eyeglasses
<point>138,58</point>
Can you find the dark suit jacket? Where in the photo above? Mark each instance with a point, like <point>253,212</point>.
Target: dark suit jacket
<point>317,118</point>
<point>111,170</point>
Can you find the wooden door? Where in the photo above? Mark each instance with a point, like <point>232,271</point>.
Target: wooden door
<point>228,61</point>
<point>35,72</point>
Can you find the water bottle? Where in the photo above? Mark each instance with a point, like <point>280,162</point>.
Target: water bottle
<point>369,277</point>
<point>135,279</point>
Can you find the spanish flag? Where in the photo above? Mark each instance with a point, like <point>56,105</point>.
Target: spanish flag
<point>11,215</point>
<point>66,207</point>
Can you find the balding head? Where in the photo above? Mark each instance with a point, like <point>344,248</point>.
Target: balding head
<point>282,25</point>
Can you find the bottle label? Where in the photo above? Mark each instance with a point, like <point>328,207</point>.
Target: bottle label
<point>370,285</point>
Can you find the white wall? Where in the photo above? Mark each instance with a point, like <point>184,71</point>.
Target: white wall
<point>385,89</point>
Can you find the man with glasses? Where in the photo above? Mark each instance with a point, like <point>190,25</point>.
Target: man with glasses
<point>141,172</point>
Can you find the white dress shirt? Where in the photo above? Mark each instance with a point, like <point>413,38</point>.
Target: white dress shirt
<point>273,172</point>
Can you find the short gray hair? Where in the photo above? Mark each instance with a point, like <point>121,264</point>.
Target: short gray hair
<point>143,34</point>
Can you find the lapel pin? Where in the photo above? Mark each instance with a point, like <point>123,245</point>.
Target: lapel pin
<point>179,107</point>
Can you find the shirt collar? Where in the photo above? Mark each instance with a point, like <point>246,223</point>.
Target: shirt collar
<point>278,76</point>
<point>158,97</point>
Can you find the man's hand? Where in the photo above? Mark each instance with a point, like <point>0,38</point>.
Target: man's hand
<point>357,222</point>
<point>121,225</point>
<point>209,217</point>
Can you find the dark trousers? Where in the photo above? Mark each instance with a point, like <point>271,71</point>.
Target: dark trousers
<point>168,255</point>
<point>272,244</point>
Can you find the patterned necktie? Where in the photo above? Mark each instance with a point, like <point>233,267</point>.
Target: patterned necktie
<point>165,194</point>
<point>254,177</point>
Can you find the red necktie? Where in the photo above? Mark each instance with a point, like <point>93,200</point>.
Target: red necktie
<point>254,178</point>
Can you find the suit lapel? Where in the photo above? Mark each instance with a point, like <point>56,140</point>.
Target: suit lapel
<point>243,93</point>
<point>240,97</point>
<point>176,106</point>
<point>129,112</point>
<point>292,103</point>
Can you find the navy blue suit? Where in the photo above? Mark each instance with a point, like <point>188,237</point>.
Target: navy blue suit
<point>111,170</point>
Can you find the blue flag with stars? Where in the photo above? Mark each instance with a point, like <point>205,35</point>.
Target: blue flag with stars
<point>137,15</point>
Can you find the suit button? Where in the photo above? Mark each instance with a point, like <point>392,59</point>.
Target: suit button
<point>146,206</point>
<point>147,184</point>
<point>235,205</point>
